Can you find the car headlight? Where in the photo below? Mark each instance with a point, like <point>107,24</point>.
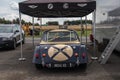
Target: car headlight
<point>4,39</point>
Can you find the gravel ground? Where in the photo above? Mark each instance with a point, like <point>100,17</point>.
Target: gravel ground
<point>13,69</point>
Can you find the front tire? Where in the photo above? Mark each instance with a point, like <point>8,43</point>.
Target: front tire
<point>14,44</point>
<point>23,41</point>
<point>38,66</point>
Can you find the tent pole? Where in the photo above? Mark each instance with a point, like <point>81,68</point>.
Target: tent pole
<point>40,26</point>
<point>81,30</point>
<point>21,57</point>
<point>94,57</point>
<point>33,31</point>
<point>86,28</point>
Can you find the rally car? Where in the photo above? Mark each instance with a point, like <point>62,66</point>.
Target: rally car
<point>60,48</point>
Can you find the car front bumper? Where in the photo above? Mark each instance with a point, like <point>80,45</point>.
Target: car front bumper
<point>7,43</point>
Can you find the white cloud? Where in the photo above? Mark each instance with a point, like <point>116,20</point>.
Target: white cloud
<point>26,18</point>
<point>14,5</point>
<point>3,10</point>
<point>11,16</point>
<point>104,6</point>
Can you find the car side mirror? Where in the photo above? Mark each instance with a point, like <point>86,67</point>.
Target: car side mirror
<point>16,31</point>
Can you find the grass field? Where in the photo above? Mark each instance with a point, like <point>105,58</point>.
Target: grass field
<point>84,34</point>
<point>72,27</point>
<point>78,32</point>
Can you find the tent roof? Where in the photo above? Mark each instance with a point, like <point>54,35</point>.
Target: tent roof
<point>57,8</point>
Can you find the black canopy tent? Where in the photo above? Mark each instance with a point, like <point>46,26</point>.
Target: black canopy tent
<point>56,8</point>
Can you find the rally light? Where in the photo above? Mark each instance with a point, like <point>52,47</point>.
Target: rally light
<point>76,55</point>
<point>83,55</point>
<point>43,55</point>
<point>37,55</point>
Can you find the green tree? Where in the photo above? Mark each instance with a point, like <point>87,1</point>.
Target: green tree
<point>52,23</point>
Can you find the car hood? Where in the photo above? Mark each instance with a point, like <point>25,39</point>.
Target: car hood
<point>7,35</point>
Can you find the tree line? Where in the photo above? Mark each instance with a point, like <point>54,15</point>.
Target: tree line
<point>16,21</point>
<point>74,22</point>
<point>78,22</point>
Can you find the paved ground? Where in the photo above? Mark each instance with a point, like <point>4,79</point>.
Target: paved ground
<point>12,69</point>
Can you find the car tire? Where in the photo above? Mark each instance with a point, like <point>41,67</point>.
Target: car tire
<point>14,44</point>
<point>23,41</point>
<point>38,66</point>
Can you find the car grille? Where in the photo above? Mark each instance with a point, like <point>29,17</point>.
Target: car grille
<point>0,39</point>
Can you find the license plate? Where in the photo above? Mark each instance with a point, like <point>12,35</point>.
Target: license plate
<point>60,65</point>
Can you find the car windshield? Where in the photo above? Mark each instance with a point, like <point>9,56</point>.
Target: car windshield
<point>6,29</point>
<point>60,36</point>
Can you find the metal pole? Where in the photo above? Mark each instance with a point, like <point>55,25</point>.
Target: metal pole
<point>81,31</point>
<point>33,31</point>
<point>21,57</point>
<point>94,57</point>
<point>86,28</point>
<point>40,26</point>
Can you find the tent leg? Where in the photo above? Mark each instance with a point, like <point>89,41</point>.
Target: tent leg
<point>94,57</point>
<point>81,31</point>
<point>40,26</point>
<point>33,31</point>
<point>86,28</point>
<point>21,57</point>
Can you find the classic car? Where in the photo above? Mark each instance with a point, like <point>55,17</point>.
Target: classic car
<point>60,48</point>
<point>10,35</point>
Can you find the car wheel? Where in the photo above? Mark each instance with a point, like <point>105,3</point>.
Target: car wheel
<point>38,66</point>
<point>14,44</point>
<point>23,40</point>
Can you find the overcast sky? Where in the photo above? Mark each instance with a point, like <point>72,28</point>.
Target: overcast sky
<point>104,6</point>
<point>9,10</point>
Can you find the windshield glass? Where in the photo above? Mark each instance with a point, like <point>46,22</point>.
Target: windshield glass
<point>6,29</point>
<point>64,36</point>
